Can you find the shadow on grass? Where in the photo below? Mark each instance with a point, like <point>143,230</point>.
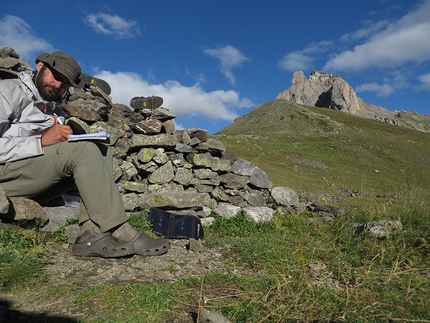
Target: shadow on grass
<point>11,316</point>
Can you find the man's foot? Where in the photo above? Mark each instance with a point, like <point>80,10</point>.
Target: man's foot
<point>141,243</point>
<point>150,102</point>
<point>103,245</point>
<point>93,81</point>
<point>146,246</point>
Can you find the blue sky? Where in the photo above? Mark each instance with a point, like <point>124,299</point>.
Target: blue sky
<point>213,61</point>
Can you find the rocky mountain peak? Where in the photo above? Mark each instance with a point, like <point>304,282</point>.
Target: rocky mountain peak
<point>324,90</point>
<point>331,91</point>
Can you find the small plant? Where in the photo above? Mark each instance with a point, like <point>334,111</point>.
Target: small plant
<point>238,225</point>
<point>174,266</point>
<point>59,235</point>
<point>138,221</point>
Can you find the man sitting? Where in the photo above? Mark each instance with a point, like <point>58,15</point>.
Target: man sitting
<point>37,161</point>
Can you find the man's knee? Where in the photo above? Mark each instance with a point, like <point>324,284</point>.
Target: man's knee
<point>76,152</point>
<point>83,147</point>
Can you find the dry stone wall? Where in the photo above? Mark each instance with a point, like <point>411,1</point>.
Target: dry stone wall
<point>183,170</point>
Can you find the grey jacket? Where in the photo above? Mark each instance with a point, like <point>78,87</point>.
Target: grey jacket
<point>21,122</point>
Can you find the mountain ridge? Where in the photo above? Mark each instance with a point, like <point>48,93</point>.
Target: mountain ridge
<point>329,153</point>
<point>330,91</point>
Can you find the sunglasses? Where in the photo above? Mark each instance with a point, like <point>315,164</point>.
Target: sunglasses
<point>59,77</point>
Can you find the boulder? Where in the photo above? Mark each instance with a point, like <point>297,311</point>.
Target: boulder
<point>27,212</point>
<point>284,196</point>
<point>259,214</point>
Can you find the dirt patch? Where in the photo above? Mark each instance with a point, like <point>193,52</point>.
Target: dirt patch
<point>67,271</point>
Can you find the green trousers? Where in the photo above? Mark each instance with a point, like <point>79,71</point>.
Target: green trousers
<point>60,168</point>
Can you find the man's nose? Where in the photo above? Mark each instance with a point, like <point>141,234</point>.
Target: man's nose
<point>60,84</point>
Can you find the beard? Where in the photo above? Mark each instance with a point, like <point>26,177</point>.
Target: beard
<point>47,91</point>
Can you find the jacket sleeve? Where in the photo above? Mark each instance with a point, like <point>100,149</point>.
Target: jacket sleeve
<point>21,125</point>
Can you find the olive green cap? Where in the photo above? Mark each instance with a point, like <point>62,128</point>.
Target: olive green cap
<point>64,64</point>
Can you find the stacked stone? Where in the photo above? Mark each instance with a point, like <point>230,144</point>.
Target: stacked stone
<point>183,171</point>
<point>11,64</point>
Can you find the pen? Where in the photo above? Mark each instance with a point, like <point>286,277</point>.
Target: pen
<point>58,119</point>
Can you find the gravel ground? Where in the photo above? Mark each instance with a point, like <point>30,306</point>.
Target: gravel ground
<point>65,270</point>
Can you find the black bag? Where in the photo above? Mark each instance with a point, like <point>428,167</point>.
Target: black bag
<point>177,226</point>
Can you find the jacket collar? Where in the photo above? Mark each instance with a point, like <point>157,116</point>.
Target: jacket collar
<point>27,79</point>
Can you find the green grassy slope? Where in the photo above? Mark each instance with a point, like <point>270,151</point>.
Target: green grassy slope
<point>330,152</point>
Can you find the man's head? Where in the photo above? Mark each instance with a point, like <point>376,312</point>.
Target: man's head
<point>56,72</point>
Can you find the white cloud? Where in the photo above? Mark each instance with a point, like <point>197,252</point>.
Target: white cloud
<point>230,57</point>
<point>380,90</point>
<point>425,81</point>
<point>19,35</point>
<point>365,32</point>
<point>400,43</point>
<point>296,61</point>
<point>200,78</point>
<point>112,25</point>
<point>303,60</point>
<point>178,126</point>
<point>180,99</point>
<point>317,47</point>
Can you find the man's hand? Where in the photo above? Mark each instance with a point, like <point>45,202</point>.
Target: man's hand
<point>56,134</point>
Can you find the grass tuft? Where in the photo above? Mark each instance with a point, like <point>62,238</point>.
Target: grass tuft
<point>20,264</point>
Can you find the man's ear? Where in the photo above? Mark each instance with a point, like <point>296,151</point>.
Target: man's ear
<point>39,66</point>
